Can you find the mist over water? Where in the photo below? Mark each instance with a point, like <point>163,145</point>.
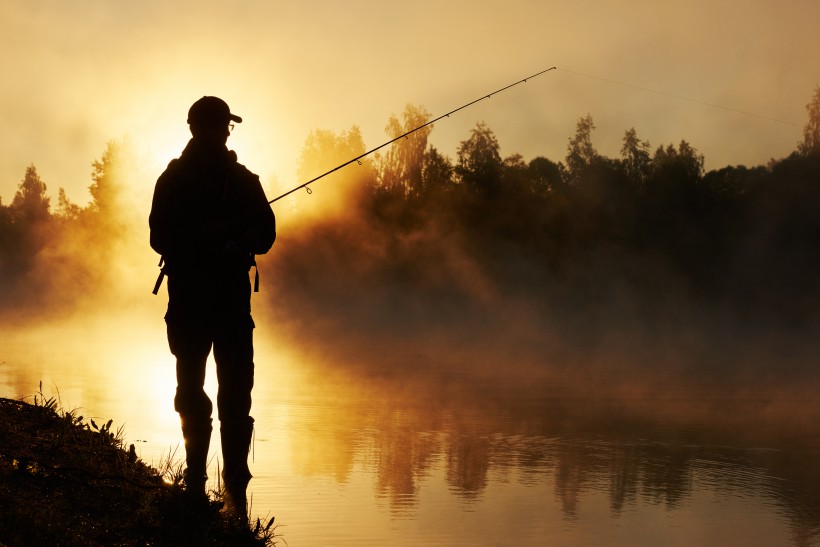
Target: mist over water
<point>629,353</point>
<point>430,308</point>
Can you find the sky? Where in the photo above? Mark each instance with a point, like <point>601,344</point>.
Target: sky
<point>80,74</point>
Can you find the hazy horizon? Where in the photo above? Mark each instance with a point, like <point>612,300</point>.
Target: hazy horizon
<point>86,74</point>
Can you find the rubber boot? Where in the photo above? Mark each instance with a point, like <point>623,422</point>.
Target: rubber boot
<point>197,435</point>
<point>236,443</point>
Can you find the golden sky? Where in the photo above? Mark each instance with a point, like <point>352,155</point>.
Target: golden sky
<point>78,74</point>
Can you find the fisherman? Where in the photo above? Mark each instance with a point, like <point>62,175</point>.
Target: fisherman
<point>209,218</point>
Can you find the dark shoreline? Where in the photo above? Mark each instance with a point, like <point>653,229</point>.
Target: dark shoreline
<point>68,481</point>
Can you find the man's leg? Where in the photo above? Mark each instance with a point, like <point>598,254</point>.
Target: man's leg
<point>191,346</point>
<point>233,352</point>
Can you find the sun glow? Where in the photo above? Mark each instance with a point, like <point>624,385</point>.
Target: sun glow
<point>257,150</point>
<point>163,143</point>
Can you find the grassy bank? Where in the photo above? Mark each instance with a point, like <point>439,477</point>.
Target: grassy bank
<point>65,480</point>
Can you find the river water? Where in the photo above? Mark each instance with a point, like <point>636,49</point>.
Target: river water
<point>346,461</point>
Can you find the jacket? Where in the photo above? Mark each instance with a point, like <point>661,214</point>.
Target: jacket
<point>209,214</point>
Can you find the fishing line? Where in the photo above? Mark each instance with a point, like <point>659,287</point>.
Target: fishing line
<point>680,97</point>
<point>447,115</point>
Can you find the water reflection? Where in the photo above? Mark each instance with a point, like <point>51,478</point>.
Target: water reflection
<point>385,462</point>
<point>404,443</point>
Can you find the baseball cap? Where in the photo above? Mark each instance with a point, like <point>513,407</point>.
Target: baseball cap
<point>211,110</point>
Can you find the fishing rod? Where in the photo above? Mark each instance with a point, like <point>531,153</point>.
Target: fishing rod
<point>391,141</point>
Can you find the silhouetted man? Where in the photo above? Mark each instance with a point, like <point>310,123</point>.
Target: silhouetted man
<point>209,218</point>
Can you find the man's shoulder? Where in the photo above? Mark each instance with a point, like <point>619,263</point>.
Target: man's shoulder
<point>178,174</point>
<point>174,168</point>
<point>241,171</point>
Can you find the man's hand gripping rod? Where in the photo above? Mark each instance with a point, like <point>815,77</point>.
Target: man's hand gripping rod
<point>357,158</point>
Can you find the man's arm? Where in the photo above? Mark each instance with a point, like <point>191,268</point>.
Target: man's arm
<point>159,220</point>
<point>178,229</point>
<point>256,232</point>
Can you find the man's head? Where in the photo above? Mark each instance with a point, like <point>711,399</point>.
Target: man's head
<point>211,121</point>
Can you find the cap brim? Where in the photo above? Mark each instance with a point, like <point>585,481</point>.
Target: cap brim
<point>235,118</point>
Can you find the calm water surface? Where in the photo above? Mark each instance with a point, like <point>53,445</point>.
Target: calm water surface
<point>340,461</point>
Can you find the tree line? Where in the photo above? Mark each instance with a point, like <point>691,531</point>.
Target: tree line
<point>583,243</point>
<point>650,227</point>
<point>56,255</point>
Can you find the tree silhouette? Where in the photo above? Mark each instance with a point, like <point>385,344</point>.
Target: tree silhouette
<point>108,175</point>
<point>479,163</point>
<point>675,173</point>
<point>515,176</point>
<point>399,169</point>
<point>545,176</point>
<point>25,229</point>
<point>31,204</point>
<point>811,131</point>
<point>436,173</point>
<point>324,150</point>
<point>66,209</point>
<point>636,158</point>
<point>580,151</point>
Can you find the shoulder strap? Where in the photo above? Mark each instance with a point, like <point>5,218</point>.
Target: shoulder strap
<point>161,275</point>
<point>256,277</point>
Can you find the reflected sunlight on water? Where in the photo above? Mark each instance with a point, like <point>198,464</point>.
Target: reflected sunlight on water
<point>355,463</point>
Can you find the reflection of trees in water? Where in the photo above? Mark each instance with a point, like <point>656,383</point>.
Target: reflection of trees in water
<point>324,451</point>
<point>403,458</point>
<point>404,447</point>
<point>624,473</point>
<point>570,476</point>
<point>468,461</point>
<point>666,474</point>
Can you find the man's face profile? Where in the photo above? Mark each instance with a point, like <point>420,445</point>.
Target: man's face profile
<point>214,133</point>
